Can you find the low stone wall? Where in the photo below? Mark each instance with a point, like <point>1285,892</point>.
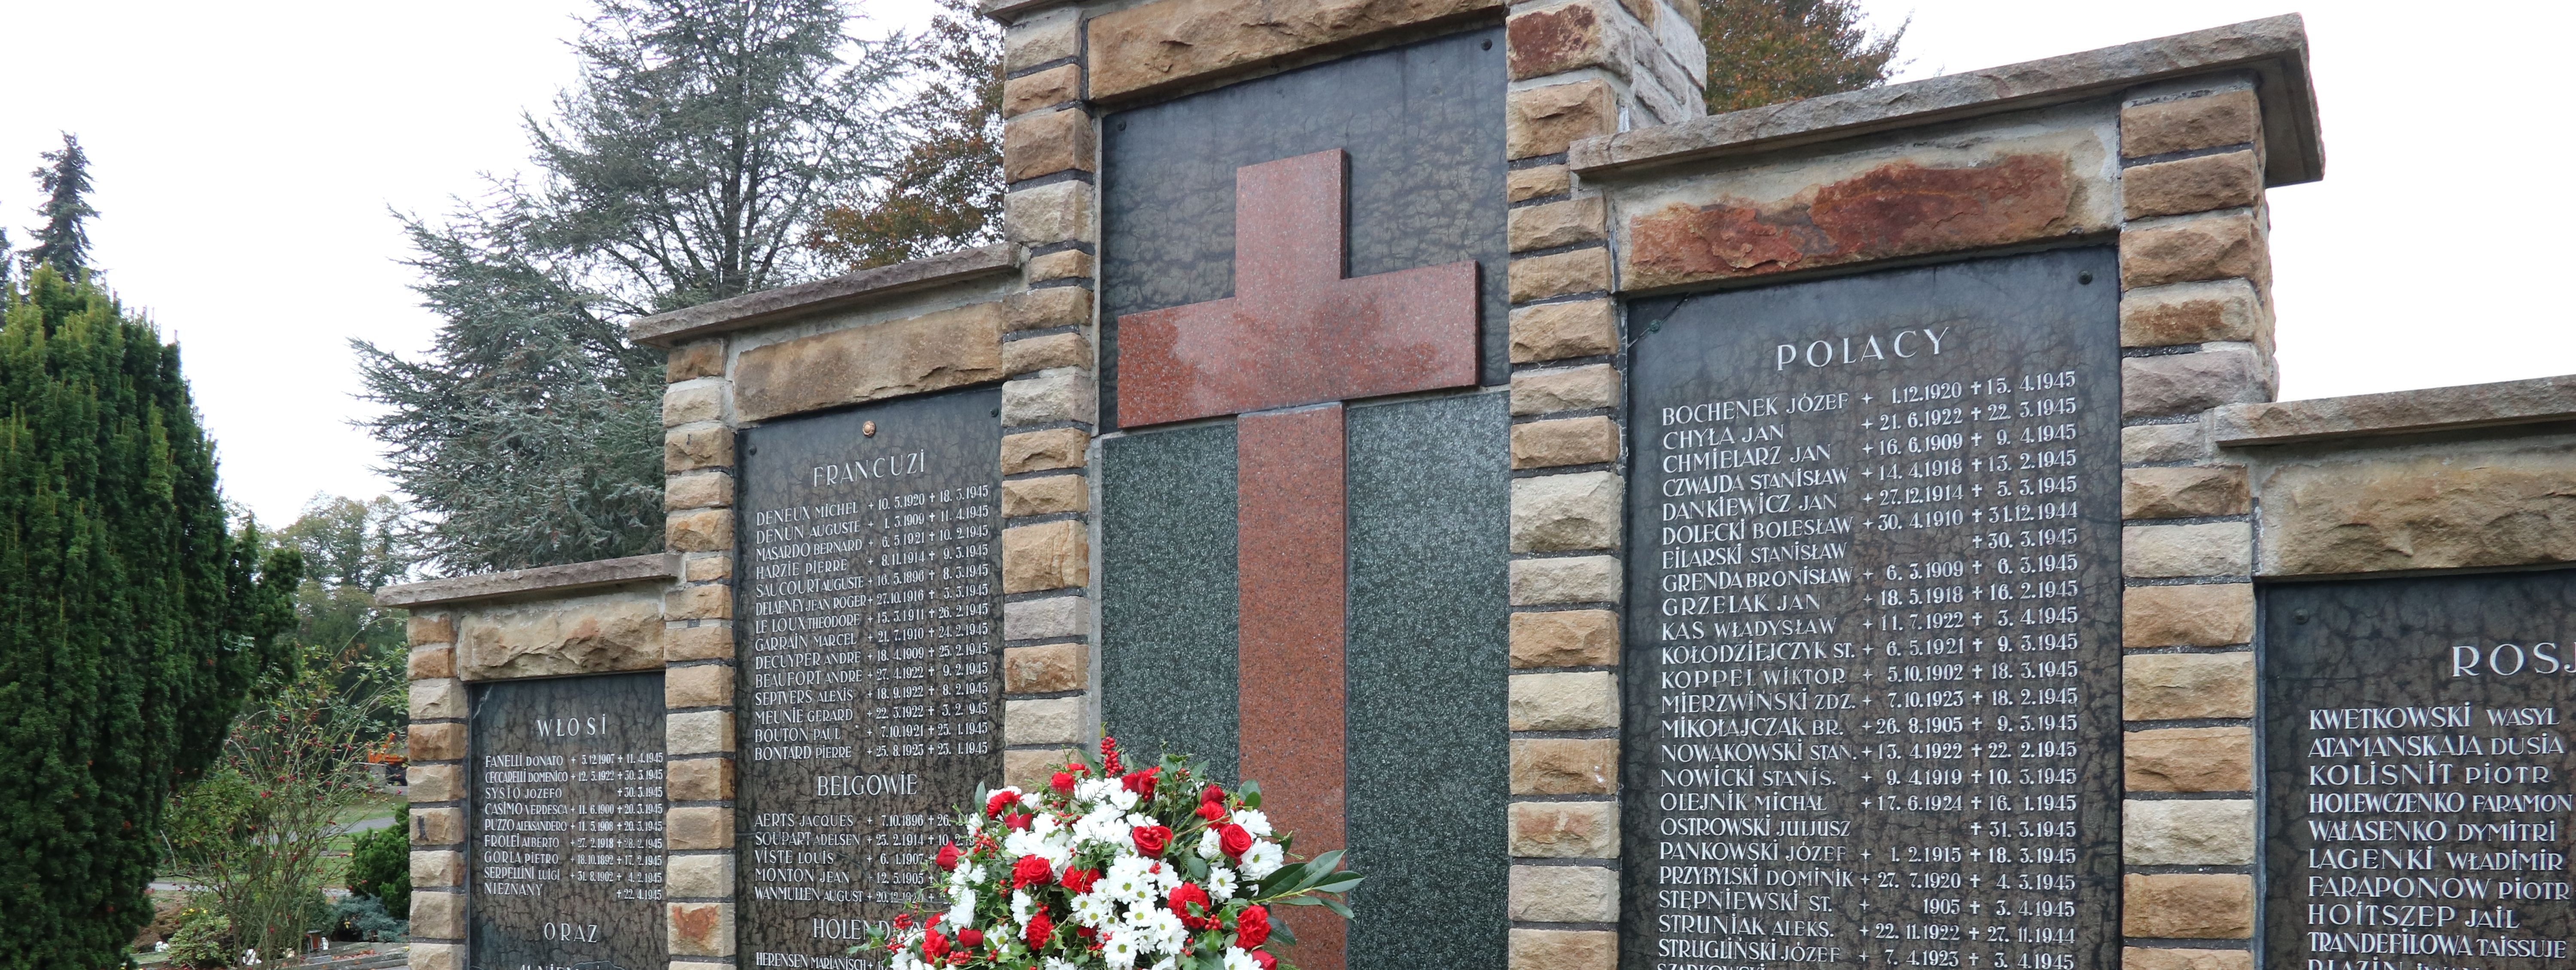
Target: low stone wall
<point>582,618</point>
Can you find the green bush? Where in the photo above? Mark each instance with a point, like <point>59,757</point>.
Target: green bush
<point>380,867</point>
<point>204,939</point>
<point>363,918</point>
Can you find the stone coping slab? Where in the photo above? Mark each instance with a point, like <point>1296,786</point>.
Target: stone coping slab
<point>768,306</point>
<point>2275,49</point>
<point>542,579</point>
<point>2397,412</point>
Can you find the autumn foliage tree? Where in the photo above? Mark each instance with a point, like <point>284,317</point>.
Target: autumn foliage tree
<point>1768,51</point>
<point>944,189</point>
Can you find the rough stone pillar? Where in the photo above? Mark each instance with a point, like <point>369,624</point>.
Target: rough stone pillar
<point>1578,70</point>
<point>1050,153</point>
<point>436,772</point>
<point>698,679</point>
<point>2196,332</point>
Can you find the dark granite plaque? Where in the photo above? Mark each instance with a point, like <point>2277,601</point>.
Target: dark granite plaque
<point>566,847</point>
<point>1873,652</point>
<point>2415,753</point>
<point>1423,124</point>
<point>870,634</point>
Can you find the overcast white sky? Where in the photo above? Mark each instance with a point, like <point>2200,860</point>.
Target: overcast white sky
<point>247,153</point>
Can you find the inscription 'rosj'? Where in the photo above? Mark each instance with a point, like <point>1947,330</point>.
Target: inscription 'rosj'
<point>2417,753</point>
<point>1872,652</point>
<point>870,633</point>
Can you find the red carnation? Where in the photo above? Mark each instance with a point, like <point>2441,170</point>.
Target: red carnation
<point>934,946</point>
<point>1031,871</point>
<point>1040,928</point>
<point>1212,793</point>
<point>1001,799</point>
<point>970,938</point>
<point>948,856</point>
<point>1150,839</point>
<point>1062,782</point>
<point>1264,958</point>
<point>1211,811</point>
<point>1080,880</point>
<point>1234,840</point>
<point>1018,821</point>
<point>1190,903</point>
<point>1252,927</point>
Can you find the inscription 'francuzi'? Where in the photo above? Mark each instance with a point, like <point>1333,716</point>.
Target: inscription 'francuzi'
<point>870,637</point>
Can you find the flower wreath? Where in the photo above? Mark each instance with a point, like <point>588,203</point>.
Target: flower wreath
<point>1108,867</point>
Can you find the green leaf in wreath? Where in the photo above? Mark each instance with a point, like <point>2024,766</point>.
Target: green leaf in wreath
<point>1336,906</point>
<point>1279,932</point>
<point>1302,901</point>
<point>1339,882</point>
<point>1250,793</point>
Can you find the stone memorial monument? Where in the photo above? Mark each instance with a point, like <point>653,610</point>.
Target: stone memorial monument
<point>1826,535</point>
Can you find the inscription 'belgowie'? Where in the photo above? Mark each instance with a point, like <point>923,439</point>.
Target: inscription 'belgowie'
<point>870,640</point>
<point>1873,650</point>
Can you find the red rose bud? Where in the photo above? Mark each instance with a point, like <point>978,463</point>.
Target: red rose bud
<point>1062,782</point>
<point>934,946</point>
<point>1001,799</point>
<point>1251,927</point>
<point>1264,958</point>
<point>1031,871</point>
<point>1040,928</point>
<point>1190,903</point>
<point>1080,880</point>
<point>970,938</point>
<point>1212,793</point>
<point>1150,839</point>
<point>948,856</point>
<point>1234,840</point>
<point>1142,782</point>
<point>1018,821</point>
<point>1212,811</point>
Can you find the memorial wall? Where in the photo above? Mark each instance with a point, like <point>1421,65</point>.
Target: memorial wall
<point>1826,536</point>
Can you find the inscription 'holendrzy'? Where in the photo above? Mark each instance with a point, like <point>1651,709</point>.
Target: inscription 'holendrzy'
<point>1869,634</point>
<point>870,632</point>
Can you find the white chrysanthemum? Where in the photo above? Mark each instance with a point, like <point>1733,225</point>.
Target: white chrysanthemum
<point>1094,910</point>
<point>962,915</point>
<point>1253,821</point>
<point>1168,878</point>
<point>1121,797</point>
<point>1119,948</point>
<point>974,826</point>
<point>1022,907</point>
<point>1262,859</point>
<point>1030,801</point>
<point>1058,852</point>
<point>1059,963</point>
<point>1211,845</point>
<point>1237,958</point>
<point>1167,963</point>
<point>1157,930</point>
<point>1130,880</point>
<point>1045,825</point>
<point>1220,883</point>
<point>905,961</point>
<point>1021,843</point>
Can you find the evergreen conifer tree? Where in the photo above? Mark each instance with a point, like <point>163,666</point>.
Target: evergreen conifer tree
<point>63,243</point>
<point>687,165</point>
<point>1768,51</point>
<point>132,621</point>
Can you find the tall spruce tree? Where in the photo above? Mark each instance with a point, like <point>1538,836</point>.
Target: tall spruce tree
<point>1768,51</point>
<point>131,625</point>
<point>945,189</point>
<point>702,141</point>
<point>63,242</point>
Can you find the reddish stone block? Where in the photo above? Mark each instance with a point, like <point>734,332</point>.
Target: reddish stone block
<point>1899,209</point>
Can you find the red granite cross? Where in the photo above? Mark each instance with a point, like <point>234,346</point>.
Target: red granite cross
<point>1295,340</point>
